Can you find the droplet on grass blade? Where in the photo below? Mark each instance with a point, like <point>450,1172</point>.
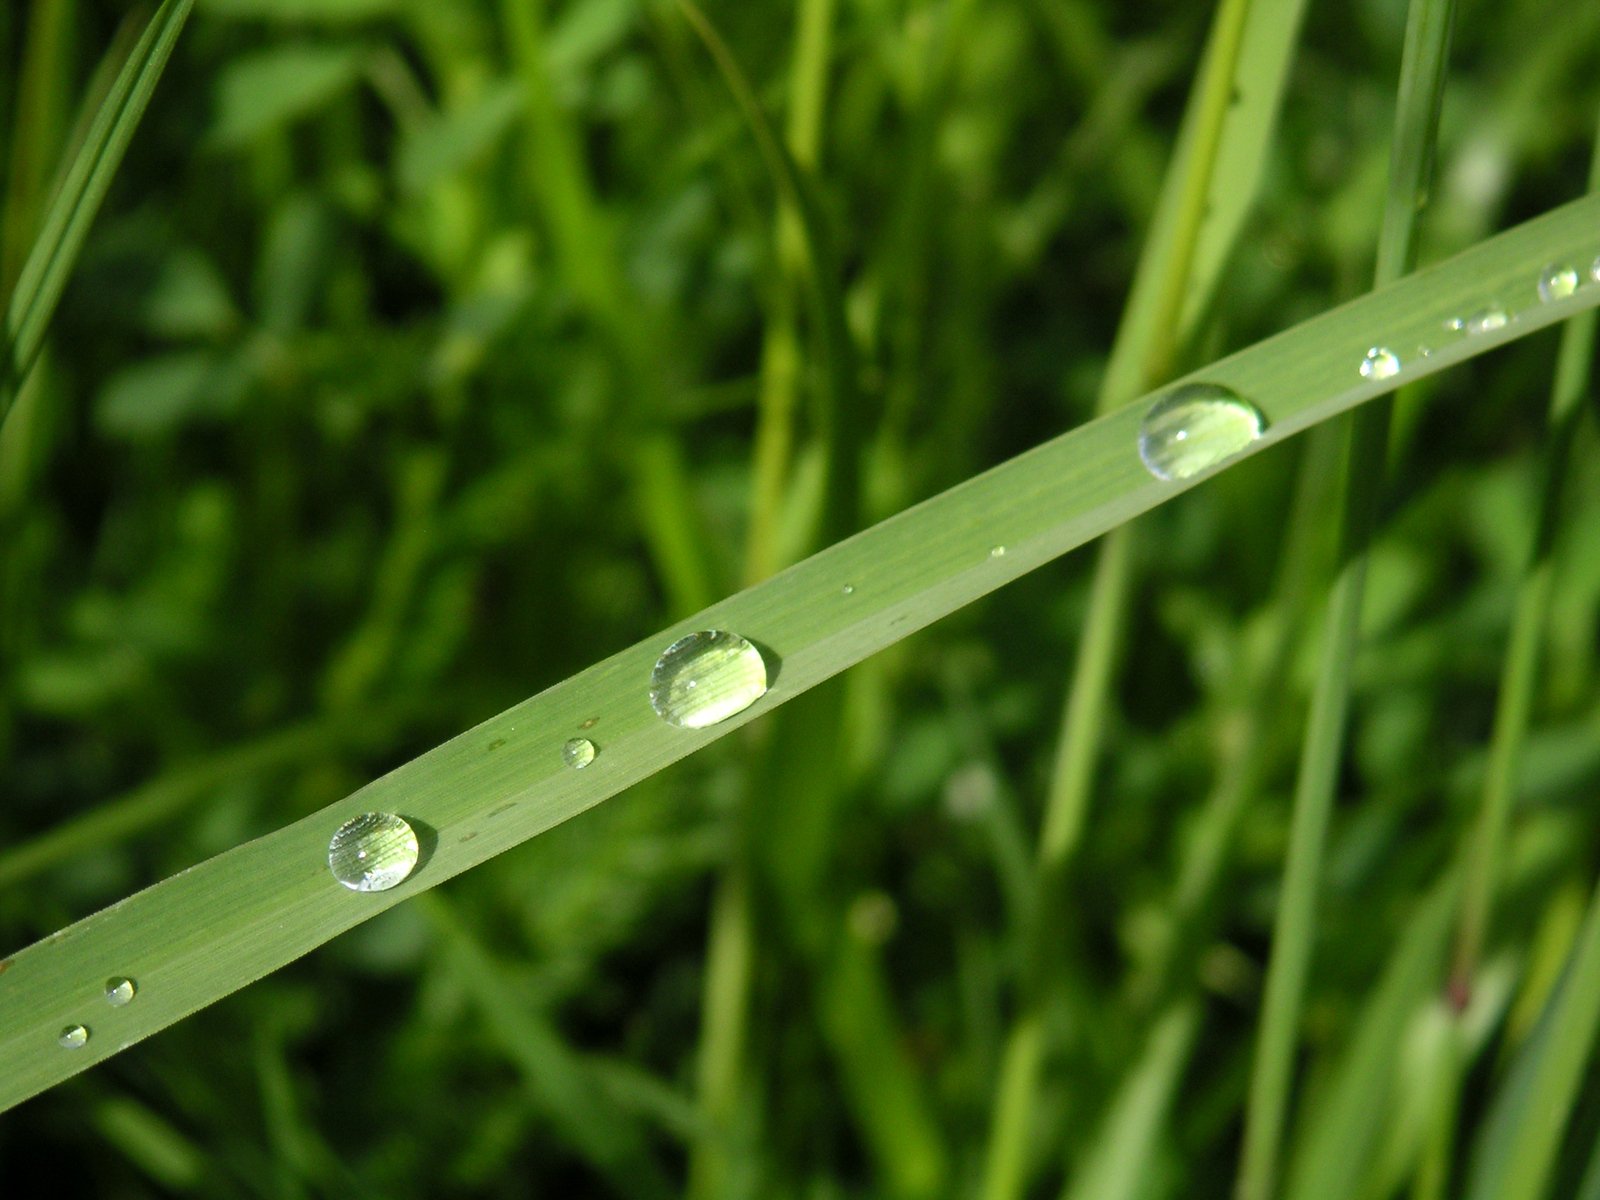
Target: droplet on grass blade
<point>1195,427</point>
<point>1379,363</point>
<point>1487,320</point>
<point>1557,282</point>
<point>373,852</point>
<point>120,991</point>
<point>74,1037</point>
<point>705,678</point>
<point>578,753</point>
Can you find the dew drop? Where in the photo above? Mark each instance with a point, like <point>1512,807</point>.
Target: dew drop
<point>1195,427</point>
<point>1487,320</point>
<point>1557,282</point>
<point>578,753</point>
<point>705,678</point>
<point>849,589</point>
<point>73,1037</point>
<point>373,852</point>
<point>997,551</point>
<point>1594,269</point>
<point>1380,363</point>
<point>120,991</point>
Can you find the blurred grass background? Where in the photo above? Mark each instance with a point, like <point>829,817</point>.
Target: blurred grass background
<point>425,354</point>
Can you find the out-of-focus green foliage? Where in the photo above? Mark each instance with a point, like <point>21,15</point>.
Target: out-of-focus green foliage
<point>413,365</point>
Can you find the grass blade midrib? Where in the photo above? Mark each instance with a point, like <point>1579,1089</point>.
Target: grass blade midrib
<point>242,914</point>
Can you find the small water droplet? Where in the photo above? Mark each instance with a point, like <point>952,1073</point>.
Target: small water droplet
<point>74,1037</point>
<point>1557,282</point>
<point>705,678</point>
<point>1594,269</point>
<point>578,753</point>
<point>1456,325</point>
<point>120,991</point>
<point>997,551</point>
<point>849,589</point>
<point>1380,363</point>
<point>373,852</point>
<point>1195,427</point>
<point>1487,320</point>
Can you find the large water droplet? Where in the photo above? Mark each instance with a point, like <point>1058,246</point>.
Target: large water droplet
<point>1487,320</point>
<point>705,678</point>
<point>373,852</point>
<point>1380,363</point>
<point>120,991</point>
<point>578,753</point>
<point>74,1037</point>
<point>1557,282</point>
<point>1195,427</point>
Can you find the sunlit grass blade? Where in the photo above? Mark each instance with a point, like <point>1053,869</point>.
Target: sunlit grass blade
<point>200,935</point>
<point>1422,73</point>
<point>73,208</point>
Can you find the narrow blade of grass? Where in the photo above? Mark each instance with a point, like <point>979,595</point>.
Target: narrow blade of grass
<point>72,210</point>
<point>1422,73</point>
<point>200,935</point>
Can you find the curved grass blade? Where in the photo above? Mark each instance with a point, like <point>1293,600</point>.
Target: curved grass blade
<point>73,208</point>
<point>202,934</point>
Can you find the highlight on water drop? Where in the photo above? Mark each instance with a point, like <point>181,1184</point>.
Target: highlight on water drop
<point>73,1037</point>
<point>1194,427</point>
<point>373,852</point>
<point>120,991</point>
<point>1557,282</point>
<point>578,753</point>
<point>1487,320</point>
<point>706,677</point>
<point>1380,363</point>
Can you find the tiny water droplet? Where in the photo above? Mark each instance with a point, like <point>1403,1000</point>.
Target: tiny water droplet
<point>1557,282</point>
<point>1195,427</point>
<point>1380,363</point>
<point>1488,320</point>
<point>1594,269</point>
<point>120,991</point>
<point>849,589</point>
<point>997,551</point>
<point>373,852</point>
<point>578,753</point>
<point>74,1037</point>
<point>705,678</point>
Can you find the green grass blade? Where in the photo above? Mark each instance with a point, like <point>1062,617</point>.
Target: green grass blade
<point>1411,159</point>
<point>1522,1134</point>
<point>1519,672</point>
<point>73,208</point>
<point>200,935</point>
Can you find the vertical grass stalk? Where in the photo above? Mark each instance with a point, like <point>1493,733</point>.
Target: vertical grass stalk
<point>1411,157</point>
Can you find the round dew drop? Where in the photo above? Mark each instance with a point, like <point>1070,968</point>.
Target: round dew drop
<point>73,1037</point>
<point>373,852</point>
<point>1380,363</point>
<point>997,551</point>
<point>705,678</point>
<point>578,753</point>
<point>1488,320</point>
<point>120,991</point>
<point>1557,282</point>
<point>1194,427</point>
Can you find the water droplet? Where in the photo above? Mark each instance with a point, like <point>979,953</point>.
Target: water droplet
<point>1195,427</point>
<point>997,551</point>
<point>120,991</point>
<point>373,852</point>
<point>1488,320</point>
<point>1557,282</point>
<point>705,678</point>
<point>1455,325</point>
<point>74,1037</point>
<point>1380,363</point>
<point>849,589</point>
<point>578,753</point>
<point>1594,269</point>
